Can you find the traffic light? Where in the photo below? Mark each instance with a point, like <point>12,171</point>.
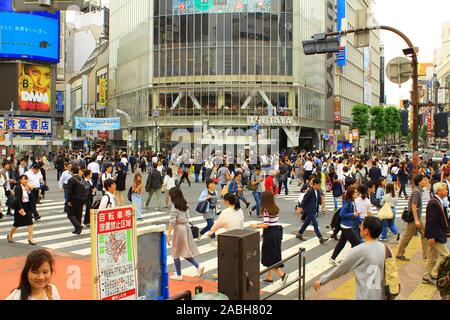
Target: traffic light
<point>320,45</point>
<point>404,114</point>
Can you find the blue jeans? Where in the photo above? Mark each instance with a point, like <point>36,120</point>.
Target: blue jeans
<point>137,202</point>
<point>336,203</point>
<point>178,264</point>
<point>209,225</point>
<point>389,224</point>
<point>197,176</point>
<point>257,206</point>
<point>311,219</point>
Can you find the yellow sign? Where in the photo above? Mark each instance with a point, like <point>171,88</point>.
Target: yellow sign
<point>35,87</point>
<point>423,69</point>
<point>102,96</point>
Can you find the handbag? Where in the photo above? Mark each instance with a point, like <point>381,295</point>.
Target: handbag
<point>202,206</point>
<point>195,231</point>
<point>407,216</point>
<point>385,212</point>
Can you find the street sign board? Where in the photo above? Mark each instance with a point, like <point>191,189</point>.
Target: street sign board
<point>399,70</point>
<point>47,5</point>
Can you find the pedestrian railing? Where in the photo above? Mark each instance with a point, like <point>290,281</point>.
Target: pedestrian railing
<point>301,279</point>
<point>186,295</point>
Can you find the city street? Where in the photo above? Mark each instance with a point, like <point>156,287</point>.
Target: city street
<point>53,232</point>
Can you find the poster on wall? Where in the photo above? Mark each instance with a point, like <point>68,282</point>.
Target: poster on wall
<point>114,247</point>
<point>35,88</point>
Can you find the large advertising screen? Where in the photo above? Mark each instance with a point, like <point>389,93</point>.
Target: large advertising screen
<point>32,36</point>
<point>220,6</point>
<point>35,88</point>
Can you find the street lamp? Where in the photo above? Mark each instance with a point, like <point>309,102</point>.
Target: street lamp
<point>257,128</point>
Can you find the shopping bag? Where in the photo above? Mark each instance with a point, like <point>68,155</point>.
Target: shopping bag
<point>385,212</point>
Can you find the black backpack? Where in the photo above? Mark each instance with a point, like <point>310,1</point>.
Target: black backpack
<point>82,190</point>
<point>96,204</point>
<point>336,221</point>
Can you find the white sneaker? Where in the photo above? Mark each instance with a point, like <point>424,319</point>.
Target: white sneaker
<point>334,262</point>
<point>200,271</point>
<point>176,277</point>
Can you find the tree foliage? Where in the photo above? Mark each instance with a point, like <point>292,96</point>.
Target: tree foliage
<point>393,120</point>
<point>378,121</point>
<point>360,119</point>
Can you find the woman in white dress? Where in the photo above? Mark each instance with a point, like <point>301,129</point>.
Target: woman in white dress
<point>35,278</point>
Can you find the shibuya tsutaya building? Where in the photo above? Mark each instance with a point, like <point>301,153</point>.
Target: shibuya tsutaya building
<point>223,66</point>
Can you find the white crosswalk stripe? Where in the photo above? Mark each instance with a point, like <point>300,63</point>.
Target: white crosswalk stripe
<point>54,232</point>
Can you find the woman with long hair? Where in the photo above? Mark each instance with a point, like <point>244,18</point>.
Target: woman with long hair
<point>183,245</point>
<point>136,195</point>
<point>212,197</point>
<point>390,198</point>
<point>348,214</point>
<point>272,236</point>
<point>23,216</point>
<point>35,278</point>
<point>168,184</point>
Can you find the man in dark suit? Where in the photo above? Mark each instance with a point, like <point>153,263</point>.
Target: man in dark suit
<point>436,232</point>
<point>310,207</point>
<point>375,172</point>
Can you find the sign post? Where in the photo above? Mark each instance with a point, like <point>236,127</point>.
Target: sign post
<point>114,254</point>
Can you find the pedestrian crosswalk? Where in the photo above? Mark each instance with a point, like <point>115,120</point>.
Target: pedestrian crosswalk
<point>54,232</point>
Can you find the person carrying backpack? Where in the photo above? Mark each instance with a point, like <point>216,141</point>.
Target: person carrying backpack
<point>78,190</point>
<point>108,200</point>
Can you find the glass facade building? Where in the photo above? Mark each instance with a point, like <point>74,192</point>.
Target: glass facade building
<point>223,62</point>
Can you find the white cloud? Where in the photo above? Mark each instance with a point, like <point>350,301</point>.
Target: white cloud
<point>421,21</point>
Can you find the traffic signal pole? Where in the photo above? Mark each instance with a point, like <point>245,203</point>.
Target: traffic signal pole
<point>412,52</point>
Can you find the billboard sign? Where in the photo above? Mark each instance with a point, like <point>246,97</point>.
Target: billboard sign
<point>114,248</point>
<point>28,125</point>
<point>341,18</point>
<point>102,94</point>
<point>97,124</point>
<point>35,88</point>
<point>60,101</point>
<point>181,7</point>
<point>31,35</point>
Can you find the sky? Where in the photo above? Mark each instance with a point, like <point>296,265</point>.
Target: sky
<point>422,22</point>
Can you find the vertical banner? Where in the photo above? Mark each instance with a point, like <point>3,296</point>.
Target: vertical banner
<point>102,93</point>
<point>341,18</point>
<point>367,78</point>
<point>429,123</point>
<point>114,254</point>
<point>337,113</point>
<point>330,63</point>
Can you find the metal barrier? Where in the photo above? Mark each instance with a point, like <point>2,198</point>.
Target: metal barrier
<point>301,279</point>
<point>187,295</point>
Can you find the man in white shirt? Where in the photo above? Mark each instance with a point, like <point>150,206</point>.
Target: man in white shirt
<point>94,167</point>
<point>35,178</point>
<point>65,177</point>
<point>108,200</point>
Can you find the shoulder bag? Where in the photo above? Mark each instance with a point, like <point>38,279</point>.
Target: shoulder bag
<point>385,212</point>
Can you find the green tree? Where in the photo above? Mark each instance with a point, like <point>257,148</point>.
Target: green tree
<point>361,119</point>
<point>378,121</point>
<point>393,121</point>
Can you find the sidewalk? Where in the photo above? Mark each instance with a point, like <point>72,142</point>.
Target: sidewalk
<point>410,274</point>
